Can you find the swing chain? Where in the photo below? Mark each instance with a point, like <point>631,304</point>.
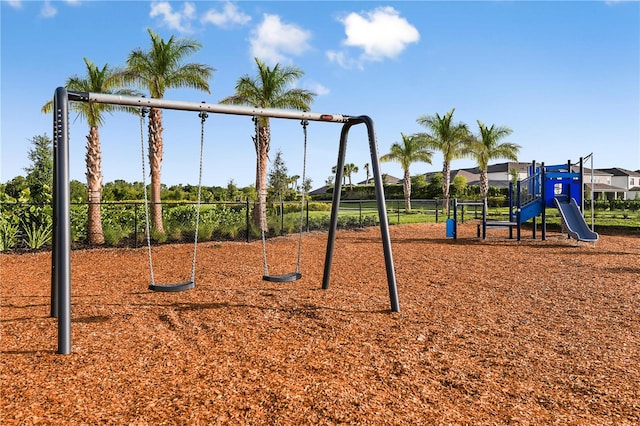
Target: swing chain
<point>304,124</point>
<point>203,117</point>
<point>143,113</point>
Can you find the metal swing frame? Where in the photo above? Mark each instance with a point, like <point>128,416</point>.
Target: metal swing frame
<point>61,252</point>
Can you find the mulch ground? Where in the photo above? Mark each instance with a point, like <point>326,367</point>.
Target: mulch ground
<point>490,332</point>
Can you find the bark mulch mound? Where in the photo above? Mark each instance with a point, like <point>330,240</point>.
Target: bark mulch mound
<point>490,332</point>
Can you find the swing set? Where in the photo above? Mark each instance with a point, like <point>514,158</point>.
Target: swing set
<point>61,253</point>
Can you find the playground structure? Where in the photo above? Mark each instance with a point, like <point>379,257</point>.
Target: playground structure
<point>557,186</point>
<point>61,252</point>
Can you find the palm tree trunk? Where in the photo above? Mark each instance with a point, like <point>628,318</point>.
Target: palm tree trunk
<point>94,187</point>
<point>155,165</point>
<point>446,182</point>
<point>407,191</point>
<point>484,184</point>
<point>262,151</point>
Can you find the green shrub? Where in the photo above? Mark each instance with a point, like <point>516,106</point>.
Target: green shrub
<point>113,233</point>
<point>8,234</point>
<point>36,235</point>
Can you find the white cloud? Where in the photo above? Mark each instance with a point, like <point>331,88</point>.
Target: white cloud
<point>179,21</point>
<point>343,59</point>
<point>47,10</point>
<point>230,15</point>
<point>317,88</point>
<point>380,34</point>
<point>272,41</point>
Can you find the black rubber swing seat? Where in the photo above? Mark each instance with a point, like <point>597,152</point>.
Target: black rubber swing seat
<point>170,288</point>
<point>286,278</point>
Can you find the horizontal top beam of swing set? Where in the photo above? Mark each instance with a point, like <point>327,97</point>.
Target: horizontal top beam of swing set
<point>133,101</point>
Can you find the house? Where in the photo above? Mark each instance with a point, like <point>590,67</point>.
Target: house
<point>626,181</point>
<point>387,179</point>
<point>499,174</point>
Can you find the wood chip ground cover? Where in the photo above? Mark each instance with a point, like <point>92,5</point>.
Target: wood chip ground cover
<point>490,332</point>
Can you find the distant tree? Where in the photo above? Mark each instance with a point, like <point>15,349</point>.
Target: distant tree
<point>39,177</point>
<point>293,181</point>
<point>77,192</point>
<point>488,146</point>
<point>233,193</point>
<point>434,186</point>
<point>306,185</point>
<point>419,186</point>
<point>411,150</point>
<point>156,70</point>
<point>349,170</point>
<point>278,180</point>
<point>329,181</point>
<point>121,190</point>
<point>334,170</point>
<point>459,186</point>
<point>176,193</point>
<point>447,137</point>
<point>15,186</point>
<point>269,89</point>
<point>368,171</point>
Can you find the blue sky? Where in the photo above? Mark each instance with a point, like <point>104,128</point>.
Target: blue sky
<point>565,76</point>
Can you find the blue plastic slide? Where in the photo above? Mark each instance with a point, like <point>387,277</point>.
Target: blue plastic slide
<point>573,221</point>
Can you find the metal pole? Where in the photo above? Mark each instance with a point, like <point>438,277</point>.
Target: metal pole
<point>592,197</point>
<point>518,211</point>
<point>382,209</point>
<point>455,219</point>
<point>543,194</point>
<point>484,218</point>
<point>335,206</point>
<point>54,253</point>
<point>62,247</point>
<point>382,212</point>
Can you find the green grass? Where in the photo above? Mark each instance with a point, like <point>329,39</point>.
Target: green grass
<point>602,219</point>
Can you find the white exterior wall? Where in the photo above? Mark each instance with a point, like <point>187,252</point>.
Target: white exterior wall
<point>621,181</point>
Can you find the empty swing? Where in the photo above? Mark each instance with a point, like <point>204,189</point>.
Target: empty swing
<point>187,285</point>
<point>296,275</point>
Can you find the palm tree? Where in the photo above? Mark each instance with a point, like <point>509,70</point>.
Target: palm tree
<point>488,146</point>
<point>447,137</point>
<point>412,149</point>
<point>349,169</point>
<point>334,169</point>
<point>269,89</point>
<point>368,171</point>
<point>156,70</point>
<point>105,80</point>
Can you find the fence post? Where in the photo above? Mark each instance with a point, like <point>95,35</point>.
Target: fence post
<point>135,225</point>
<point>247,218</point>
<point>282,217</point>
